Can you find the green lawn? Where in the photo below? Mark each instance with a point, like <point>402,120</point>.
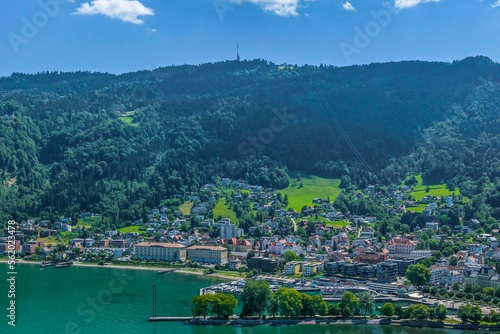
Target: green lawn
<point>186,208</point>
<point>420,208</point>
<point>435,190</point>
<point>133,228</point>
<point>64,239</point>
<point>128,118</point>
<point>337,224</point>
<point>223,210</point>
<point>329,223</point>
<point>89,221</point>
<point>313,187</point>
<point>53,241</point>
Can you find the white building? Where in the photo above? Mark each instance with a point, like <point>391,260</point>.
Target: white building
<point>227,231</point>
<point>401,246</point>
<point>160,251</point>
<point>432,225</point>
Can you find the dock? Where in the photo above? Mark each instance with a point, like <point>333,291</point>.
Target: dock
<point>166,271</point>
<point>152,319</point>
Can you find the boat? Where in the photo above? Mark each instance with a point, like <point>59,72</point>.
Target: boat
<point>63,264</point>
<point>46,263</point>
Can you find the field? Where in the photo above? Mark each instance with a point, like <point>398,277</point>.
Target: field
<point>337,224</point>
<point>312,187</point>
<point>420,208</point>
<point>64,239</point>
<point>186,208</point>
<point>435,190</point>
<point>89,221</point>
<point>223,210</point>
<point>329,223</point>
<point>133,228</point>
<point>128,118</point>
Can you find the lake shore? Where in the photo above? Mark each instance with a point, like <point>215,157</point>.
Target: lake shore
<point>130,267</point>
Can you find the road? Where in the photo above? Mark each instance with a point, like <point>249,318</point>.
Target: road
<point>456,304</point>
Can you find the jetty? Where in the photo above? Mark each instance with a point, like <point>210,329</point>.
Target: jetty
<point>184,319</point>
<point>166,271</point>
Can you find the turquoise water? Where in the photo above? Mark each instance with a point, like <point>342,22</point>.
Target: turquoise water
<point>101,300</point>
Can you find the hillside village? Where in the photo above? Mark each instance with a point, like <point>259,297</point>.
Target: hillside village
<point>319,241</point>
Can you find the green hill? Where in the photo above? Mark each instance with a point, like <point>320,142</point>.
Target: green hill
<point>66,147</point>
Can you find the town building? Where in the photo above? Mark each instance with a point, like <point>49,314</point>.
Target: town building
<point>361,270</point>
<point>160,251</point>
<point>486,277</point>
<point>400,246</point>
<point>208,254</point>
<point>229,231</point>
<point>264,264</point>
<point>234,264</point>
<point>387,272</point>
<point>373,257</point>
<point>30,247</point>
<point>442,275</point>
<point>312,268</point>
<point>292,268</point>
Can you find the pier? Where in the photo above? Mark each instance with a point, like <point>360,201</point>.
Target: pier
<point>183,319</point>
<point>166,271</point>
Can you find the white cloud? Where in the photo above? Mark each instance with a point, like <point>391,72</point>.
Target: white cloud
<point>347,6</point>
<point>125,10</point>
<point>278,7</point>
<point>496,4</point>
<point>410,3</point>
<point>150,30</point>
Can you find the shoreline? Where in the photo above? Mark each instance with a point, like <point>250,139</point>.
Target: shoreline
<point>131,267</point>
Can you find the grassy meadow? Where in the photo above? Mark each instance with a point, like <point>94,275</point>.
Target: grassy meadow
<point>312,187</point>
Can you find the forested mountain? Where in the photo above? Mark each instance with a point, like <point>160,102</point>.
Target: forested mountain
<point>117,144</point>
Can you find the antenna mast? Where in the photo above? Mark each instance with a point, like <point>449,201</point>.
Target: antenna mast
<point>237,51</point>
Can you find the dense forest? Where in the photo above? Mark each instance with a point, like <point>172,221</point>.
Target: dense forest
<point>119,144</point>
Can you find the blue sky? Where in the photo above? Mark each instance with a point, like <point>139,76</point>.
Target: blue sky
<point>119,36</point>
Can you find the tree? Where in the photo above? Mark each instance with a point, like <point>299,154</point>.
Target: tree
<point>307,305</point>
<point>250,254</point>
<point>255,295</point>
<point>440,312</point>
<point>453,261</point>
<point>366,302</point>
<point>320,306</point>
<point>273,306</point>
<point>289,256</point>
<point>201,306</point>
<point>419,312</point>
<point>418,274</point>
<point>349,304</point>
<point>387,309</point>
<point>289,302</point>
<point>469,313</point>
<point>223,305</point>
